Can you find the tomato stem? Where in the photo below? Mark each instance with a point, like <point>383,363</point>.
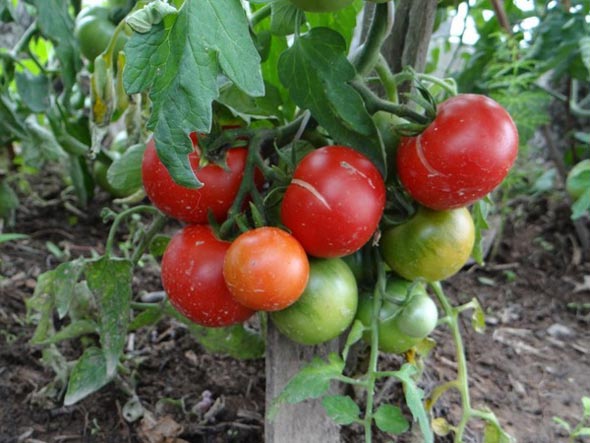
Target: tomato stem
<point>260,15</point>
<point>146,238</point>
<point>368,55</point>
<point>118,219</point>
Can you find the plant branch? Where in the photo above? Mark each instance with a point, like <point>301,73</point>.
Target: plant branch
<point>368,55</point>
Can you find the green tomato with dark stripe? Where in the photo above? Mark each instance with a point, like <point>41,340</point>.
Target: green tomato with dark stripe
<point>326,308</point>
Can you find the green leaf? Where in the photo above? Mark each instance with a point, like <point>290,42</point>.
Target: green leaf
<point>57,25</point>
<point>65,278</point>
<point>586,406</point>
<point>341,408</point>
<point>312,381</point>
<point>81,179</point>
<point>40,307</point>
<point>478,318</point>
<point>355,334</point>
<point>10,122</point>
<point>246,107</point>
<point>494,434</point>
<point>158,245</point>
<point>87,377</point>
<point>235,341</point>
<point>12,236</point>
<point>581,205</point>
<point>180,61</point>
<point>342,21</point>
<point>110,281</point>
<point>414,397</point>
<point>8,203</point>
<point>479,212</point>
<point>149,317</point>
<point>584,45</point>
<point>317,73</point>
<point>73,330</point>
<point>284,18</point>
<point>390,419</point>
<point>124,174</point>
<point>34,90</point>
<point>582,432</point>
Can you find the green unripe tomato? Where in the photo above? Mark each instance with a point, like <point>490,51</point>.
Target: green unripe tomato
<point>94,31</point>
<point>321,5</point>
<point>578,179</point>
<point>325,309</point>
<point>418,318</point>
<point>391,339</point>
<point>432,245</point>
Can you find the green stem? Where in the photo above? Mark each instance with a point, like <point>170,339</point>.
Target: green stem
<point>24,40</point>
<point>387,79</point>
<point>351,381</point>
<point>118,219</point>
<point>156,227</point>
<point>380,27</point>
<point>372,370</point>
<point>448,84</point>
<point>260,15</point>
<point>373,103</point>
<point>462,381</point>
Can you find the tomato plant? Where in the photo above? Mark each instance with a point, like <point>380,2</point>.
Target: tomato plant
<point>578,179</point>
<point>192,276</point>
<point>432,245</point>
<point>266,269</point>
<point>219,189</point>
<point>462,156</point>
<point>334,202</point>
<point>325,309</point>
<point>321,5</point>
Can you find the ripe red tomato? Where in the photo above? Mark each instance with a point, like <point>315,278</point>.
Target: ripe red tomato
<point>432,245</point>
<point>326,308</point>
<point>334,202</point>
<point>266,269</point>
<point>192,276</point>
<point>217,194</point>
<point>463,155</point>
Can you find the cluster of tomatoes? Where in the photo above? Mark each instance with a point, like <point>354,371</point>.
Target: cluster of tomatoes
<point>307,273</point>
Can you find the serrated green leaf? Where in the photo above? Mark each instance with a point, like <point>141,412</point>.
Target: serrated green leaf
<point>312,381</point>
<point>246,107</point>
<point>57,25</point>
<point>414,397</point>
<point>34,90</point>
<point>124,174</point>
<point>40,307</point>
<point>341,408</point>
<point>355,333</point>
<point>235,341</point>
<point>87,377</point>
<point>390,419</point>
<point>317,74</point>
<point>66,276</point>
<point>109,279</point>
<point>479,212</point>
<point>581,206</point>
<point>180,60</point>
<point>73,330</point>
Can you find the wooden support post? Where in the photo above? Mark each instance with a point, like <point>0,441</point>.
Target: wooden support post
<point>304,422</point>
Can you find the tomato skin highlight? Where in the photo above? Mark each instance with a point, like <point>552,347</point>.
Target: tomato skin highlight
<point>266,269</point>
<point>325,309</point>
<point>432,245</point>
<point>463,155</point>
<point>192,276</point>
<point>217,194</point>
<point>334,202</point>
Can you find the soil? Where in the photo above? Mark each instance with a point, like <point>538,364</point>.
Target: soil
<point>531,364</point>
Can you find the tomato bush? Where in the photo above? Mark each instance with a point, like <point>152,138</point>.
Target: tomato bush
<point>192,276</point>
<point>266,269</point>
<point>432,245</point>
<point>94,31</point>
<point>321,5</point>
<point>461,156</point>
<point>325,309</point>
<point>334,202</point>
<point>219,189</point>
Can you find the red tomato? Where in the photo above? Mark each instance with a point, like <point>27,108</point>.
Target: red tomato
<point>217,194</point>
<point>266,269</point>
<point>463,155</point>
<point>334,202</point>
<point>192,276</point>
